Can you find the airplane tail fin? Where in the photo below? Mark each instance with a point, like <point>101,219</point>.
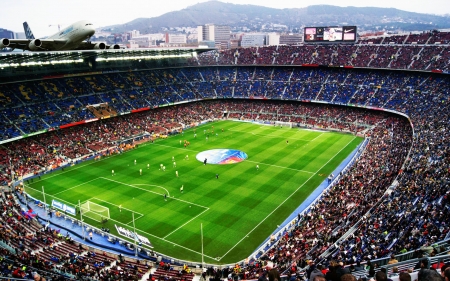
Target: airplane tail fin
<point>28,32</point>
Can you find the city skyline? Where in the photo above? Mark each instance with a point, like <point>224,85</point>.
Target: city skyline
<point>45,16</point>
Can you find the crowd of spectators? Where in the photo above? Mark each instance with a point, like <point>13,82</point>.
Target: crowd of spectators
<point>416,158</point>
<point>425,51</point>
<point>36,250</point>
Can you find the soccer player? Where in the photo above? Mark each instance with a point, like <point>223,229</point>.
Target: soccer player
<point>217,176</point>
<point>148,166</point>
<point>257,167</point>
<point>120,208</point>
<point>134,161</point>
<point>204,161</point>
<point>181,188</point>
<point>112,173</point>
<point>165,196</point>
<point>140,172</point>
<point>187,157</point>
<point>173,158</point>
<point>176,173</point>
<point>160,166</point>
<point>174,164</point>
<point>164,168</point>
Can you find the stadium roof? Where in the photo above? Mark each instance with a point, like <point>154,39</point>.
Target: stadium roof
<point>17,59</point>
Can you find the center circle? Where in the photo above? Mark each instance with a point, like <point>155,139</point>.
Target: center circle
<point>221,156</point>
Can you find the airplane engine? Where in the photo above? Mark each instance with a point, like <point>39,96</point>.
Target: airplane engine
<point>115,47</point>
<point>100,46</point>
<point>4,43</point>
<point>35,45</point>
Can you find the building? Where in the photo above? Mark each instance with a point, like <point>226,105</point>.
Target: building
<point>274,39</point>
<point>254,40</point>
<point>143,41</point>
<point>291,39</point>
<point>19,35</point>
<point>4,33</point>
<point>235,40</point>
<point>176,39</point>
<point>220,34</point>
<point>135,33</point>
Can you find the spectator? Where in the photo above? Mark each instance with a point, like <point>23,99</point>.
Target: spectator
<point>429,275</point>
<point>404,276</point>
<point>393,259</point>
<point>348,277</point>
<point>381,276</point>
<point>316,272</point>
<point>274,275</point>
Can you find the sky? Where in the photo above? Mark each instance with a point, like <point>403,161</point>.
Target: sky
<point>44,16</point>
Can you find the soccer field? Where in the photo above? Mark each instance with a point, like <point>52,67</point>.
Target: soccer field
<point>238,209</point>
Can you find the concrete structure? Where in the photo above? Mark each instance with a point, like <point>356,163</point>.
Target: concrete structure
<point>19,35</point>
<point>135,33</point>
<point>142,42</point>
<point>254,40</point>
<point>220,34</point>
<point>274,39</point>
<point>176,39</point>
<point>291,39</point>
<point>4,33</point>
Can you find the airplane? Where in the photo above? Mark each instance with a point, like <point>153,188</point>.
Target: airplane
<point>70,38</point>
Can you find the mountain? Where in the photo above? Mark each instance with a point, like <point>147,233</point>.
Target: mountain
<point>258,18</point>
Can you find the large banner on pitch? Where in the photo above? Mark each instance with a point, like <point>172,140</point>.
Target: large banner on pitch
<point>130,234</point>
<point>63,207</point>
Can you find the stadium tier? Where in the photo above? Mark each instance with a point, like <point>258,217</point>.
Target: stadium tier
<point>393,199</point>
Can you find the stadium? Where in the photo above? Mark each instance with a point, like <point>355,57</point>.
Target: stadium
<point>328,154</point>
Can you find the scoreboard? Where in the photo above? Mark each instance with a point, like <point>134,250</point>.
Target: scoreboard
<point>330,34</point>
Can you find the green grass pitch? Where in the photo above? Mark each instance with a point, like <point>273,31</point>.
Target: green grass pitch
<point>238,210</point>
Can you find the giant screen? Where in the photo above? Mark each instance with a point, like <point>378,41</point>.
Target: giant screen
<point>330,34</point>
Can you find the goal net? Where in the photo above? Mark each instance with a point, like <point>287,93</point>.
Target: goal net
<point>94,211</point>
<point>283,124</point>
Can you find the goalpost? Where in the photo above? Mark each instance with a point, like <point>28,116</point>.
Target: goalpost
<point>94,211</point>
<point>283,124</point>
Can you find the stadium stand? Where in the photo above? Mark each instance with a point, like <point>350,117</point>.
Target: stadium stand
<point>394,199</point>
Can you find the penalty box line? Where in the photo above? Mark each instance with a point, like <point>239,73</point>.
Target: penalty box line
<point>140,215</point>
<point>173,198</point>
<point>70,188</point>
<point>184,201</point>
<point>165,240</point>
<point>284,201</point>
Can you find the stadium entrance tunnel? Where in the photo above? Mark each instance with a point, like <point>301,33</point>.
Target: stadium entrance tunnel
<point>221,156</point>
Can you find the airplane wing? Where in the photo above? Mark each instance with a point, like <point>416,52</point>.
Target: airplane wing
<point>95,46</point>
<point>85,45</point>
<point>15,43</point>
<point>52,44</point>
<point>33,44</point>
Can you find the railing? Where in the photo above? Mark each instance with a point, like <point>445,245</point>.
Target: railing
<point>408,255</point>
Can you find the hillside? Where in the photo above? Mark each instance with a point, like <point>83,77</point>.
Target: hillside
<point>258,18</point>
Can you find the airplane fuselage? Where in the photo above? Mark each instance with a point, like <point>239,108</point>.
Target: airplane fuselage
<point>74,34</point>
